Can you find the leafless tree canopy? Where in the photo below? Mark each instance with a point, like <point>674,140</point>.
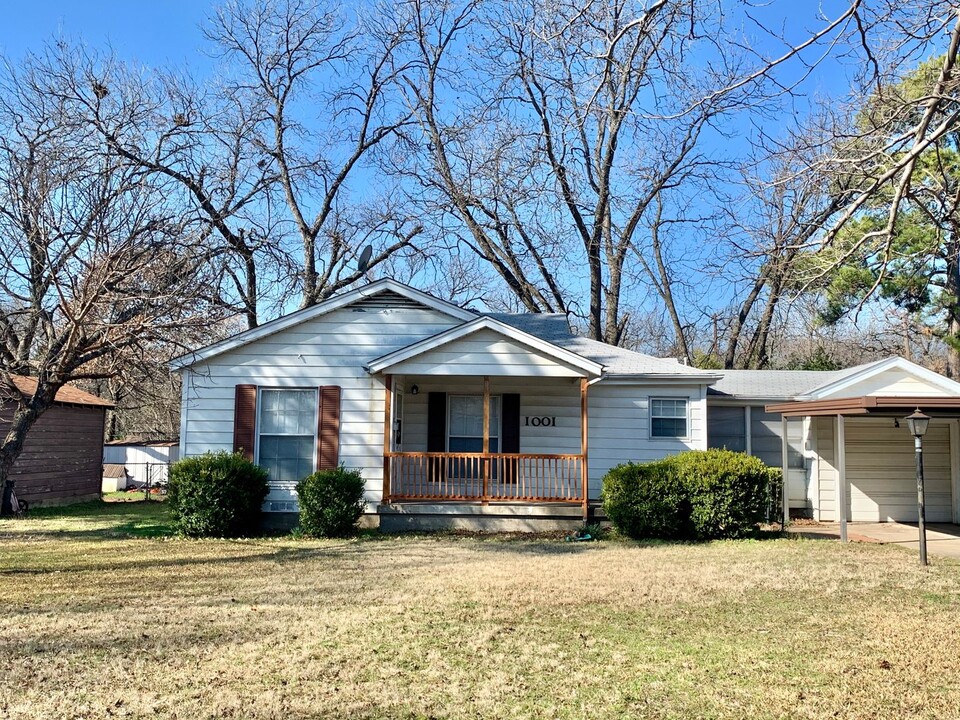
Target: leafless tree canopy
<point>652,168</point>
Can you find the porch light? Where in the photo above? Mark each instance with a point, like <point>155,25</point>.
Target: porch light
<point>414,389</point>
<point>917,422</point>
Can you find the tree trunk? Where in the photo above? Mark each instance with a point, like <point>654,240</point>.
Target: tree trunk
<point>952,288</point>
<point>23,419</point>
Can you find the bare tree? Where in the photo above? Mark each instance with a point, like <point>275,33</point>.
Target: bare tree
<point>556,137</point>
<point>95,261</point>
<point>322,83</point>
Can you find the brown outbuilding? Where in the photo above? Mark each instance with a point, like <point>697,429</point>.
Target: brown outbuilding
<point>62,458</point>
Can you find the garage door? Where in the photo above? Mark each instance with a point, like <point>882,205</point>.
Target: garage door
<point>881,469</point>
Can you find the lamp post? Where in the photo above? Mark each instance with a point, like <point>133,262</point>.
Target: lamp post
<point>917,422</point>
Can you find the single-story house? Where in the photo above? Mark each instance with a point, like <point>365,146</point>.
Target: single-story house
<point>61,461</point>
<point>461,418</point>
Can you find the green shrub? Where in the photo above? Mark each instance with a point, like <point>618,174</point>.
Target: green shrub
<point>696,495</point>
<point>727,490</point>
<point>217,495</point>
<point>646,501</point>
<point>331,502</point>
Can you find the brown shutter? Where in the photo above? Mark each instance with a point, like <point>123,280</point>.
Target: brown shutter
<point>437,422</point>
<point>510,433</point>
<point>328,430</point>
<point>510,423</point>
<point>245,420</point>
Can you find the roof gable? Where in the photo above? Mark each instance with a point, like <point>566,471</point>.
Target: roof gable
<point>536,352</point>
<point>386,293</point>
<point>893,376</point>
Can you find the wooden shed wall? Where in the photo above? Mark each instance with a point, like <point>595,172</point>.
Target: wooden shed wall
<point>62,458</point>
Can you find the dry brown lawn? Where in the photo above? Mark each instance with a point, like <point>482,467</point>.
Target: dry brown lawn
<point>95,623</point>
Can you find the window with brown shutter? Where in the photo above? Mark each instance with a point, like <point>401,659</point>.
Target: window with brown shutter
<point>245,420</point>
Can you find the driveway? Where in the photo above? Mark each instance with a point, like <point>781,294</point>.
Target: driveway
<point>943,539</point>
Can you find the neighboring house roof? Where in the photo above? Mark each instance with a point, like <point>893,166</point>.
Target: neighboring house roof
<point>586,366</point>
<point>144,443</point>
<point>66,395</point>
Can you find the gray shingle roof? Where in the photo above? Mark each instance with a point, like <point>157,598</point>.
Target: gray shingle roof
<point>773,384</point>
<point>779,384</point>
<point>555,329</point>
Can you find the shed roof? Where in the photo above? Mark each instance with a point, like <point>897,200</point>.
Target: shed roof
<point>66,395</point>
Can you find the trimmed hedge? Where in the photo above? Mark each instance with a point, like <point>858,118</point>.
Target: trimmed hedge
<point>695,495</point>
<point>331,502</point>
<point>217,495</point>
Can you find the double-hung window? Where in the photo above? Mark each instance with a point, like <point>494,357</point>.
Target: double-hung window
<point>288,433</point>
<point>668,417</point>
<point>466,423</point>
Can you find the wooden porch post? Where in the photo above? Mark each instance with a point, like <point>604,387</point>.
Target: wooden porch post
<point>387,434</point>
<point>584,475</point>
<point>841,479</point>
<point>485,461</point>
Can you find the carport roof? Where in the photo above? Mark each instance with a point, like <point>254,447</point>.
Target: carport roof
<point>865,405</point>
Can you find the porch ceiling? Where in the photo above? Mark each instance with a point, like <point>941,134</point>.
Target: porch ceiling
<point>866,405</point>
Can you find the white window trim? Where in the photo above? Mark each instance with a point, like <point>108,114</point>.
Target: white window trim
<point>650,416</point>
<point>316,421</point>
<point>499,428</point>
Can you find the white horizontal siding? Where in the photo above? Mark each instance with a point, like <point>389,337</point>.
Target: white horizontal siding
<point>619,428</point>
<point>485,353</point>
<point>559,399</point>
<point>881,471</point>
<point>825,429</point>
<point>331,350</point>
<point>892,382</point>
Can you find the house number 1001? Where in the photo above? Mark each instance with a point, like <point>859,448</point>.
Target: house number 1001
<point>539,421</point>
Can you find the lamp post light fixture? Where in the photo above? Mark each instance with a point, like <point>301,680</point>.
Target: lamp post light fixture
<point>917,422</point>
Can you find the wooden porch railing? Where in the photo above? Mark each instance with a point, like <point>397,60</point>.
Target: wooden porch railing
<point>485,476</point>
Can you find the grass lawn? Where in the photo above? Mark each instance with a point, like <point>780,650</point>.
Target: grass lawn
<point>101,617</point>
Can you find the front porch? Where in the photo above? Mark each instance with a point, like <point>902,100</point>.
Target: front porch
<point>485,440</point>
<point>485,413</point>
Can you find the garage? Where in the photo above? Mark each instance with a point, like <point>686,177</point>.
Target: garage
<point>881,471</point>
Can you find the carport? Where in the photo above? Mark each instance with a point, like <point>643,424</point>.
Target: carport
<point>863,466</point>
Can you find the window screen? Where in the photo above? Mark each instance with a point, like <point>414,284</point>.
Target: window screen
<point>668,417</point>
<point>288,433</point>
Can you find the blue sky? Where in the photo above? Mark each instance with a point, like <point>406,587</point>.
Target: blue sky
<point>158,32</point>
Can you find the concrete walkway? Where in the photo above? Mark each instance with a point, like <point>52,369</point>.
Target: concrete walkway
<point>943,539</point>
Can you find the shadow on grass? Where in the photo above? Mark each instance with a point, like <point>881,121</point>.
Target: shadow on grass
<point>96,519</point>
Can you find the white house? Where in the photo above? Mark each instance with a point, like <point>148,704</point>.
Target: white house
<point>458,418</point>
<point>448,413</point>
